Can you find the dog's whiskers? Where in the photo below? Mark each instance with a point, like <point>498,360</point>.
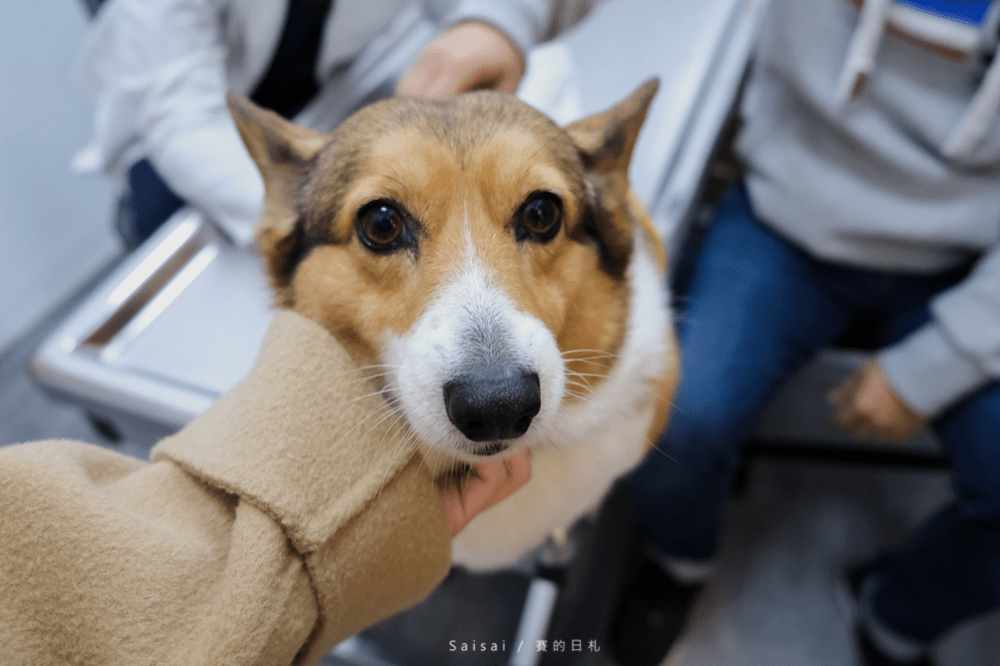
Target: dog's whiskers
<point>373,371</point>
<point>656,447</point>
<point>401,445</point>
<point>389,412</point>
<point>383,410</point>
<point>378,374</point>
<point>588,398</point>
<point>359,398</point>
<point>583,350</point>
<point>583,397</point>
<point>551,443</point>
<point>587,374</point>
<point>580,381</point>
<point>601,360</point>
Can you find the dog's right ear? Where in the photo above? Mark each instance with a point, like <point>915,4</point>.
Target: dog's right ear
<point>605,140</point>
<point>281,150</point>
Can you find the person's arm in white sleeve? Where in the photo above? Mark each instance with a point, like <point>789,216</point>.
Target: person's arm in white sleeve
<point>158,72</point>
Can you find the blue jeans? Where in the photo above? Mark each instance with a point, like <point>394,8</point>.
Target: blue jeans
<point>146,204</point>
<point>755,309</point>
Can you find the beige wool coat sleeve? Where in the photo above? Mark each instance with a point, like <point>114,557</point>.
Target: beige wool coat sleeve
<point>287,517</point>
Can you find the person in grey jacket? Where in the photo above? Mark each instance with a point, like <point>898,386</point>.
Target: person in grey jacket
<point>159,72</point>
<point>871,142</point>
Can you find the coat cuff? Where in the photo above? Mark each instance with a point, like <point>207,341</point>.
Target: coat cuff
<point>390,557</point>
<point>928,372</point>
<point>295,439</point>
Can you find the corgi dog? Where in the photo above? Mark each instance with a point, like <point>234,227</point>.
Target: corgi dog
<point>495,276</point>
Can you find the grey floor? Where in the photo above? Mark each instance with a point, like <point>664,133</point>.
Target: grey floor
<point>787,538</point>
<point>778,601</point>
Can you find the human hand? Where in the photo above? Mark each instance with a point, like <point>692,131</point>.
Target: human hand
<point>497,482</point>
<point>867,406</point>
<point>468,56</point>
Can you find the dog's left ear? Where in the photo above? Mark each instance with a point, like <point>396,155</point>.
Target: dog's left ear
<point>280,148</point>
<point>606,140</point>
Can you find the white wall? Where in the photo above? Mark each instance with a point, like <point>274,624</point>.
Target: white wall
<point>55,227</point>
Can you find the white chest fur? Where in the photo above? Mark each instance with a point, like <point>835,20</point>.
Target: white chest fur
<point>594,441</point>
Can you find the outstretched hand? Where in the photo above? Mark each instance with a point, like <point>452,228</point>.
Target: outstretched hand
<point>497,482</point>
<point>468,56</point>
<point>867,406</point>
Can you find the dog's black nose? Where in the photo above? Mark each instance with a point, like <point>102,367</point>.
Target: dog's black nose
<point>493,402</point>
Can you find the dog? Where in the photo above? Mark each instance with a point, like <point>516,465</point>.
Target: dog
<point>494,275</point>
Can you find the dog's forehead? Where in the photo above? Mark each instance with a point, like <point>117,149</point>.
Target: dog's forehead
<point>462,125</point>
<point>405,147</point>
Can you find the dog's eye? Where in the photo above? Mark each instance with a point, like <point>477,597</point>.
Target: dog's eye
<point>380,226</point>
<point>539,217</point>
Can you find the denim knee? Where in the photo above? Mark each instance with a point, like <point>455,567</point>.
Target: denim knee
<point>683,485</point>
<point>949,570</point>
<point>969,432</point>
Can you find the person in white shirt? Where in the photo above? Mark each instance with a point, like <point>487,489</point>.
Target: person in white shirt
<point>159,73</point>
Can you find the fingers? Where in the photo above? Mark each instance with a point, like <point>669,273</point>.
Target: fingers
<point>519,468</point>
<point>468,56</point>
<point>867,406</point>
<point>420,79</point>
<point>855,422</point>
<point>437,76</point>
<point>843,394</point>
<point>498,481</point>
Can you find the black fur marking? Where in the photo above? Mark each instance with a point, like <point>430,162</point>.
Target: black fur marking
<point>289,252</point>
<point>312,229</point>
<point>458,477</point>
<point>595,228</point>
<point>279,151</point>
<point>611,149</point>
